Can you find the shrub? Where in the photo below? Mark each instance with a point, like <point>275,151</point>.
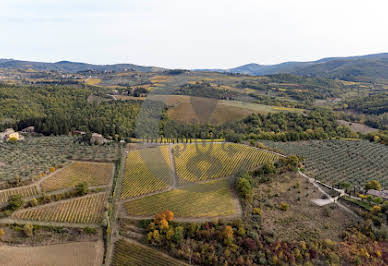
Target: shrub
<point>244,186</point>
<point>28,230</point>
<point>269,168</point>
<point>256,211</point>
<point>375,209</point>
<point>15,202</point>
<point>283,206</point>
<point>34,202</point>
<point>90,230</point>
<point>374,184</point>
<point>81,188</point>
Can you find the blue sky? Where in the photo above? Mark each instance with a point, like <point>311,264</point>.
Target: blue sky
<point>191,33</point>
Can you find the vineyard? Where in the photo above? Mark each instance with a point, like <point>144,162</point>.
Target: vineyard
<point>33,157</point>
<point>197,200</point>
<point>336,161</point>
<point>198,162</point>
<point>128,253</point>
<point>146,171</point>
<point>26,192</point>
<point>86,210</point>
<point>95,174</point>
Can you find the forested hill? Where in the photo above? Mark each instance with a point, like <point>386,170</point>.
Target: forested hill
<point>358,68</point>
<point>72,67</point>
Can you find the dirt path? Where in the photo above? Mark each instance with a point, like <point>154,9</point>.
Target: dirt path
<point>114,227</point>
<point>329,199</point>
<point>172,159</point>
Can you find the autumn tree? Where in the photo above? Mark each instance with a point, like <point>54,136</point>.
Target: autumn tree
<point>374,184</point>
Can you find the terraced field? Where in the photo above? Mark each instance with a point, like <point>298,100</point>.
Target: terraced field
<point>336,161</point>
<point>95,174</point>
<point>197,200</point>
<point>199,162</point>
<point>86,210</point>
<point>33,157</point>
<point>146,171</point>
<point>127,253</point>
<point>26,192</point>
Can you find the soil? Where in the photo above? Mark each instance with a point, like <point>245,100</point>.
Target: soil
<point>360,128</point>
<point>303,220</point>
<point>75,254</point>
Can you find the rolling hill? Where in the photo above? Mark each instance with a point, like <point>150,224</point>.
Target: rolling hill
<point>367,68</point>
<point>72,67</point>
<point>356,68</point>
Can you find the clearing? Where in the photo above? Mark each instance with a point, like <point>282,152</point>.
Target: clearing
<point>303,220</point>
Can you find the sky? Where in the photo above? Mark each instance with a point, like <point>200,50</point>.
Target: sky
<point>191,33</point>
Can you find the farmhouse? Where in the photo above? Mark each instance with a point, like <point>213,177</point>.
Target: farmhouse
<point>9,133</point>
<point>378,193</point>
<point>97,139</point>
<point>30,129</point>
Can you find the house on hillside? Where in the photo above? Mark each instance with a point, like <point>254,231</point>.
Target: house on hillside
<point>30,129</point>
<point>378,193</point>
<point>79,133</point>
<point>8,134</point>
<point>97,139</point>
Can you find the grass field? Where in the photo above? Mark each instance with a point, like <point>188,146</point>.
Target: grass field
<point>95,174</point>
<point>86,210</point>
<point>92,81</point>
<point>25,191</point>
<point>198,200</point>
<point>198,162</point>
<point>336,161</point>
<point>189,109</point>
<point>75,254</point>
<point>128,253</point>
<point>146,171</point>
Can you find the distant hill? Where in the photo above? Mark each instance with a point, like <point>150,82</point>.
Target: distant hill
<point>368,68</point>
<point>72,67</point>
<point>356,68</point>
